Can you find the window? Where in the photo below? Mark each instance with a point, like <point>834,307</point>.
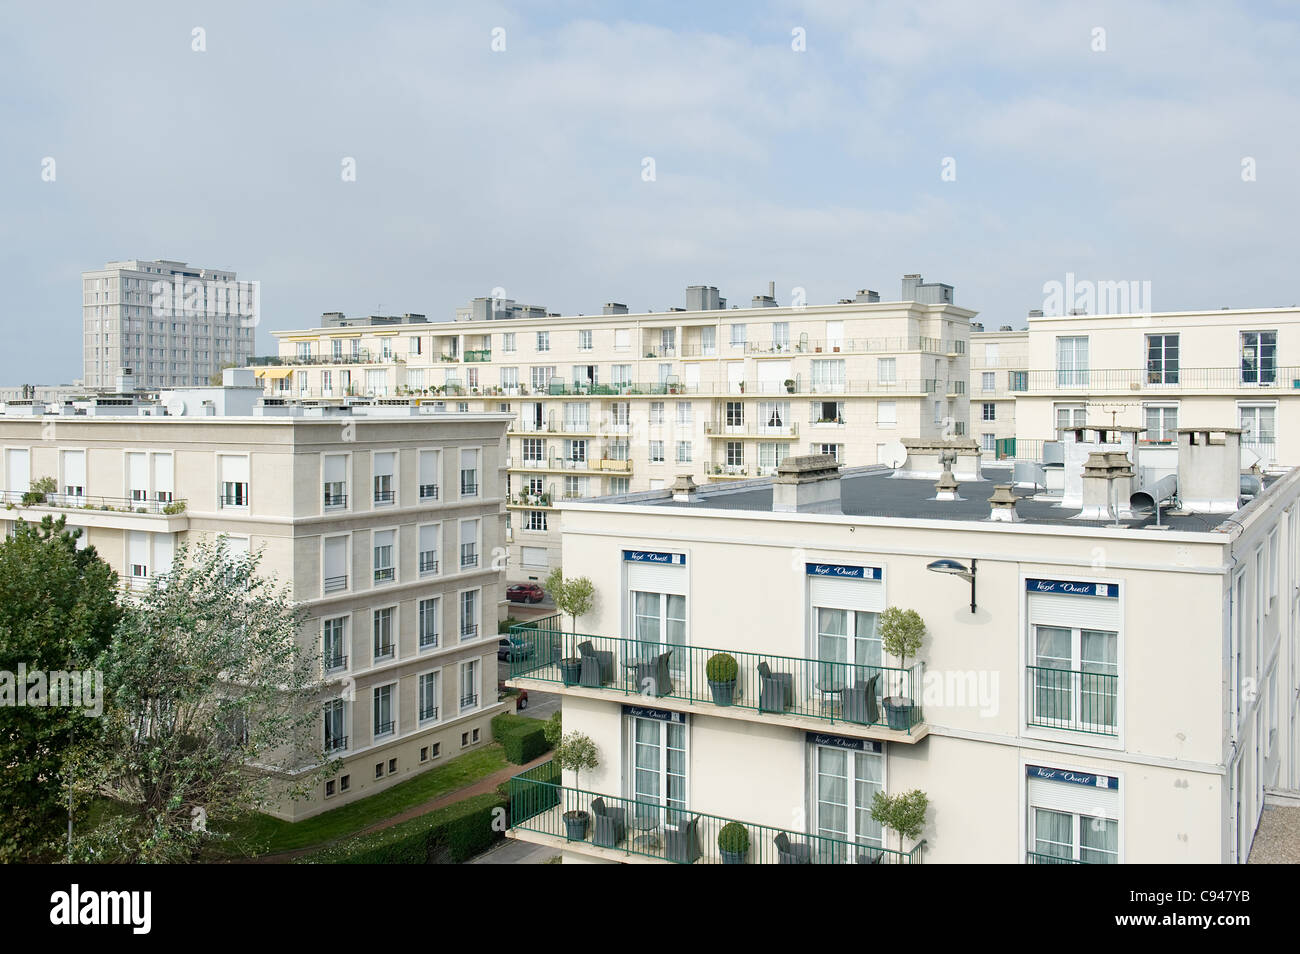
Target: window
<point>336,733</point>
<point>828,376</point>
<point>469,472</point>
<point>384,567</point>
<point>886,414</point>
<point>533,557</point>
<point>658,762</point>
<point>540,377</point>
<point>345,783</point>
<point>392,766</point>
<point>510,377</point>
<point>379,770</point>
<point>534,450</point>
<point>468,544</point>
<point>659,617</point>
<point>1018,380</point>
<point>988,381</point>
<point>383,710</point>
<point>656,452</point>
<point>384,485</point>
<point>508,342</point>
<point>738,336</point>
<point>622,339</point>
<point>430,533</point>
<point>887,370</point>
<point>74,473</point>
<point>234,480</point>
<point>620,416</point>
<point>334,643</point>
<point>584,340</point>
<point>684,452</point>
<point>535,520</point>
<point>827,412</point>
<point>709,341</point>
<point>1072,823</point>
<point>334,472</point>
<point>990,411</point>
<point>428,701</point>
<point>576,417</point>
<point>469,615</point>
<point>988,442</point>
<point>656,413</point>
<point>1161,423</point>
<point>430,464</point>
<point>1069,416</point>
<point>1259,428</point>
<point>334,565</point>
<point>1071,362</point>
<point>770,456</point>
<point>543,341</point>
<point>833,450</point>
<point>621,375</point>
<point>383,633</point>
<point>619,485</point>
<point>575,452</point>
<point>1162,359</point>
<point>1258,357</point>
<point>846,782</point>
<point>781,335</point>
<point>735,455</point>
<point>1074,675</point>
<point>735,416</point>
<point>469,685</point>
<point>429,614</point>
<point>684,416</point>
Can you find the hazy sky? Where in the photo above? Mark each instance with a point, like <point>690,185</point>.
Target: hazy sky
<point>523,168</point>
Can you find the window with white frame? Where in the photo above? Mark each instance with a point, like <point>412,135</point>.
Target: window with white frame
<point>656,413</point>
<point>540,377</point>
<point>576,416</point>
<point>469,472</point>
<point>469,684</point>
<point>1258,423</point>
<point>684,413</point>
<point>1258,357</point>
<point>575,487</point>
<point>657,762</point>
<point>385,566</point>
<point>510,377</point>
<point>781,335</point>
<point>1073,656</point>
<point>430,611</point>
<point>684,452</point>
<point>988,381</point>
<point>845,782</point>
<point>1069,416</point>
<point>619,485</point>
<point>738,335</point>
<point>735,452</point>
<point>1071,361</point>
<point>430,465</point>
<point>508,344</point>
<point>534,519</point>
<point>233,471</point>
<point>334,478</point>
<point>383,465</point>
<point>656,452</point>
<point>828,375</point>
<point>430,535</point>
<point>334,564</point>
<point>1161,422</point>
<point>335,725</point>
<point>834,450</point>
<point>1162,359</point>
<point>468,544</point>
<point>430,688</point>
<point>708,341</point>
<point>989,411</point>
<point>385,703</point>
<point>887,370</point>
<point>584,340</point>
<point>620,375</point>
<point>543,341</point>
<point>383,631</point>
<point>886,414</point>
<point>988,442</point>
<point>334,643</point>
<point>770,456</point>
<point>622,339</point>
<point>73,464</point>
<point>1073,817</point>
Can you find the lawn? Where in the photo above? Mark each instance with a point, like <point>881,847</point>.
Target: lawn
<point>262,834</point>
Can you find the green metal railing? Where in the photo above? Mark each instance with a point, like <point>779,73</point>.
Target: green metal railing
<point>540,803</point>
<point>481,355</point>
<point>1073,700</point>
<point>1037,858</point>
<point>837,692</point>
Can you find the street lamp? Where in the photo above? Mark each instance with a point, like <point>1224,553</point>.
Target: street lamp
<point>959,570</point>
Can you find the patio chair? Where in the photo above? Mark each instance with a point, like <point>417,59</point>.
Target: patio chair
<point>682,841</point>
<point>860,702</point>
<point>608,825</point>
<point>653,677</point>
<point>788,854</point>
<point>870,856</point>
<point>597,666</point>
<point>776,689</point>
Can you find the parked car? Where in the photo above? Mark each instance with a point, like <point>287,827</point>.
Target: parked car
<point>521,699</point>
<point>525,593</point>
<point>512,647</point>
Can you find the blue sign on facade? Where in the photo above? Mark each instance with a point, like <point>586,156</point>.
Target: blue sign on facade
<point>1110,590</point>
<point>844,572</point>
<point>648,556</point>
<point>841,742</point>
<point>659,715</point>
<point>1072,778</point>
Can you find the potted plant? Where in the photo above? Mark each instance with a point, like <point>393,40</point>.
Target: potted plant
<point>39,490</point>
<point>903,813</point>
<point>721,671</point>
<point>576,752</point>
<point>901,634</point>
<point>575,596</point>
<point>733,843</point>
<point>789,385</point>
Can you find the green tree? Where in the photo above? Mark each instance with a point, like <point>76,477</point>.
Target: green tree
<point>575,596</point>
<point>58,609</point>
<point>903,813</point>
<point>213,710</point>
<point>576,752</point>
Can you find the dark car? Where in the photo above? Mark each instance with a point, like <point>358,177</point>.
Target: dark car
<point>525,593</point>
<point>512,647</point>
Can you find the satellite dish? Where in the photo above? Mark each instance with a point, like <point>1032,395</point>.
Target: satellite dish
<point>893,454</point>
<point>176,407</point>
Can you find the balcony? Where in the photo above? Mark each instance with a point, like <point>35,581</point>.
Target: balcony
<point>428,713</point>
<point>336,743</point>
<point>469,701</point>
<point>124,513</point>
<point>428,561</point>
<point>786,690</point>
<point>1128,380</point>
<point>1038,858</point>
<point>1072,700</point>
<point>752,429</point>
<point>631,830</point>
<point>483,355</point>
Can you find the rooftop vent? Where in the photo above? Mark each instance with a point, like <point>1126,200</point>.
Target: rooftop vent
<point>613,308</point>
<point>1003,503</point>
<point>684,489</point>
<point>703,298</point>
<point>1209,469</point>
<point>808,484</point>
<point>867,295</point>
<point>1033,313</point>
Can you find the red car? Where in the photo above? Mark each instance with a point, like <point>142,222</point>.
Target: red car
<point>525,593</point>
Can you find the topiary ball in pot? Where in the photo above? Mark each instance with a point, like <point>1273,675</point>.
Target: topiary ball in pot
<point>733,843</point>
<point>721,671</point>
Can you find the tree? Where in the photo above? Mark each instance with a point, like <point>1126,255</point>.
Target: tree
<point>575,596</point>
<point>553,730</point>
<point>901,634</point>
<point>576,752</point>
<point>58,609</point>
<point>212,710</point>
<point>903,813</point>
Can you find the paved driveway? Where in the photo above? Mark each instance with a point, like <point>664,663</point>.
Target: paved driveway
<point>511,852</point>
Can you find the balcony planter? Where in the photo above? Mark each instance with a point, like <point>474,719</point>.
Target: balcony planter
<point>789,385</point>
<point>733,843</point>
<point>898,712</point>
<point>721,672</point>
<point>575,825</point>
<point>571,670</point>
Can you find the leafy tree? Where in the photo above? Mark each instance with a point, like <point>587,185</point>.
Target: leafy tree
<point>58,609</point>
<point>902,633</point>
<point>575,596</point>
<point>903,813</point>
<point>553,730</point>
<point>213,707</point>
<point>576,752</point>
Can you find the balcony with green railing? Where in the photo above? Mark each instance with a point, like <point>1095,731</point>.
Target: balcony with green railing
<point>877,702</point>
<point>637,830</point>
<point>482,355</point>
<point>1073,700</point>
<point>1038,858</point>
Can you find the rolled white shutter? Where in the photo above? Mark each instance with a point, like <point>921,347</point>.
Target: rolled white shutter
<point>234,470</point>
<point>162,474</point>
<point>429,538</point>
<point>336,557</point>
<point>1085,799</point>
<point>237,547</point>
<point>1085,612</point>
<point>866,596</point>
<point>137,472</point>
<point>468,459</point>
<point>656,578</point>
<point>18,471</point>
<point>384,463</point>
<point>428,467</point>
<point>74,468</point>
<point>335,470</point>
<point>164,549</point>
<point>137,548</point>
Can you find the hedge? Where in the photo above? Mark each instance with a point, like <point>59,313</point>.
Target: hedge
<point>522,739</point>
<point>449,835</point>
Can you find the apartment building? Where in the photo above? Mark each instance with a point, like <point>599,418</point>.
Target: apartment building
<point>999,362</point>
<point>172,323</point>
<point>618,402</point>
<point>1093,688</point>
<point>387,525</point>
<point>1227,368</point>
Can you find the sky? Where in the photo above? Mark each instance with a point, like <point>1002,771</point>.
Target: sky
<point>573,153</point>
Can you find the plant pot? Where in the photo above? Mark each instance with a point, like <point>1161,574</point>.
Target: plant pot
<point>733,857</point>
<point>723,692</point>
<point>575,825</point>
<point>571,670</point>
<point>898,712</point>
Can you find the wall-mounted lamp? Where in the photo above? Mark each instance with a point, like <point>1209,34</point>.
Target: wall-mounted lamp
<point>957,569</point>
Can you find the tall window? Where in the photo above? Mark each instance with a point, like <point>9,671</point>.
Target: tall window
<point>735,415</point>
<point>234,480</point>
<point>334,643</point>
<point>684,413</point>
<point>468,544</point>
<point>534,450</point>
<point>1075,675</point>
<point>334,467</point>
<point>656,413</point>
<point>770,456</point>
<point>430,463</point>
<point>990,411</point>
<point>385,485</point>
<point>508,342</point>
<point>540,377</point>
<point>383,710</point>
<point>1258,357</point>
<point>709,341</point>
<point>1162,423</point>
<point>988,381</point>
<point>738,336</point>
<point>1069,415</point>
<point>584,340</point>
<point>846,783</point>
<point>659,617</point>
<point>429,691</point>
<point>1071,361</point>
<point>659,762</point>
<point>429,534</point>
<point>1259,428</point>
<point>336,733</point>
<point>383,633</point>
<point>543,341</point>
<point>1162,359</point>
<point>735,455</point>
<point>385,569</point>
<point>656,452</point>
<point>1073,836</point>
<point>469,472</point>
<point>684,452</point>
<point>887,370</point>
<point>621,375</point>
<point>428,623</point>
<point>469,684</point>
<point>781,335</point>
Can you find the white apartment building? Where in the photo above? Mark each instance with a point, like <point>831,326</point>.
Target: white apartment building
<point>205,323</point>
<point>999,362</point>
<point>1230,368</point>
<point>617,402</point>
<point>1090,691</point>
<point>386,524</point>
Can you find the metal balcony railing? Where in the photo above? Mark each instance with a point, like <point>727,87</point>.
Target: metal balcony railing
<point>1165,379</point>
<point>332,584</point>
<point>468,556</point>
<point>673,833</point>
<point>1073,700</point>
<point>384,651</point>
<point>383,728</point>
<point>469,631</point>
<point>481,355</point>
<point>335,500</point>
<point>428,712</point>
<point>1038,858</point>
<point>336,743</point>
<point>829,690</point>
<point>88,502</point>
<point>385,574</point>
<point>337,661</point>
<point>428,491</point>
<point>429,561</point>
<point>384,496</point>
<point>722,429</point>
<point>469,701</point>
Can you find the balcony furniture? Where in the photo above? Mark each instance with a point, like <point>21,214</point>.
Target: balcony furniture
<point>653,677</point>
<point>830,690</point>
<point>776,689</point>
<point>608,825</point>
<point>648,839</point>
<point>788,854</point>
<point>870,856</point>
<point>860,702</point>
<point>682,841</point>
<point>597,666</point>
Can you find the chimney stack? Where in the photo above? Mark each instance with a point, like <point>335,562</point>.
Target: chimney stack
<point>808,484</point>
<point>684,489</point>
<point>1003,502</point>
<point>1209,469</point>
<point>1107,486</point>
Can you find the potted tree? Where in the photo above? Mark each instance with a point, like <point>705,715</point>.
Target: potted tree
<point>576,752</point>
<point>721,671</point>
<point>789,385</point>
<point>901,634</point>
<point>39,491</point>
<point>733,843</point>
<point>903,813</point>
<point>574,596</point>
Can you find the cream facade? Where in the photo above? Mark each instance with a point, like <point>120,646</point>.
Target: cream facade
<point>618,403</point>
<point>1117,695</point>
<point>999,362</point>
<point>388,529</point>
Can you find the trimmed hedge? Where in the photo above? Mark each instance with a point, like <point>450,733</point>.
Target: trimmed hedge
<point>522,739</point>
<point>449,835</point>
